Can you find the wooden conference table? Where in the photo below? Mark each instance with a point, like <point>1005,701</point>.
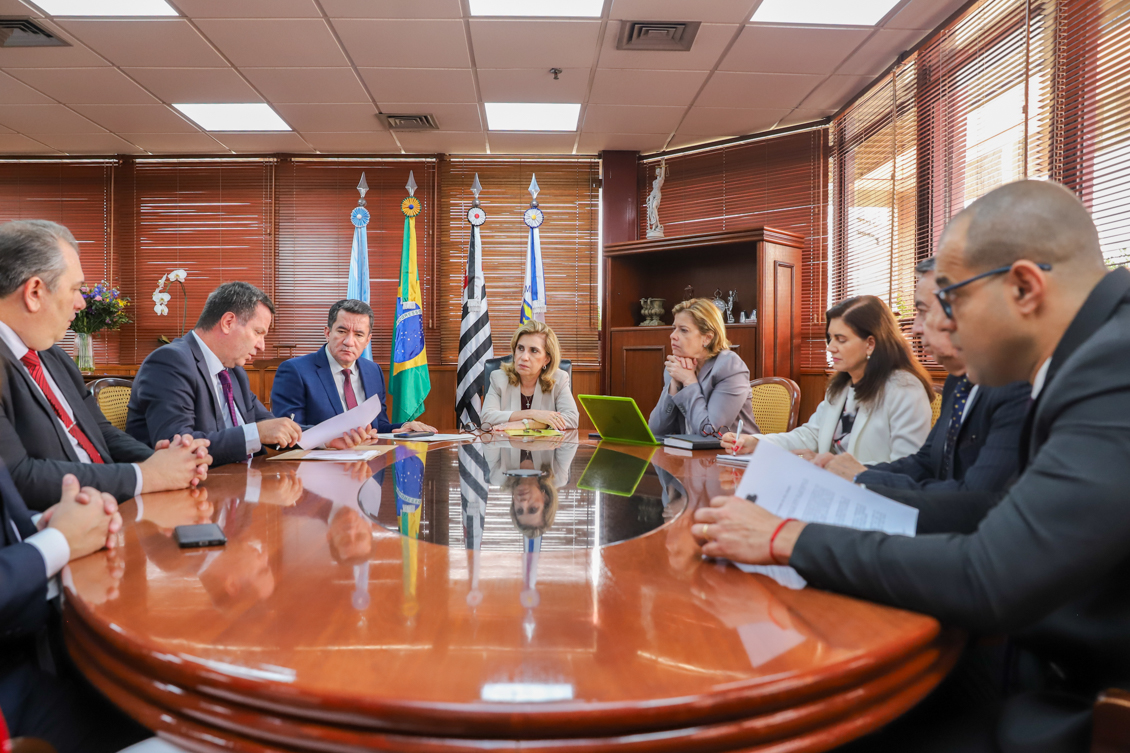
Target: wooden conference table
<point>396,605</point>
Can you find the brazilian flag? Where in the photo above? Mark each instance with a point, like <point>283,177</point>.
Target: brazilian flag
<point>409,383</point>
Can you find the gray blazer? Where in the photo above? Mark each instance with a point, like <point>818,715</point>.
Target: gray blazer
<point>35,447</point>
<point>721,397</point>
<point>173,394</point>
<point>503,398</point>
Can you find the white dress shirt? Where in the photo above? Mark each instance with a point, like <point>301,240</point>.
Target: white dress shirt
<point>339,379</point>
<point>215,366</point>
<point>1041,377</point>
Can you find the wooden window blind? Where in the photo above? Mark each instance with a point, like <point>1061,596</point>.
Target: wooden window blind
<point>570,199</point>
<point>315,241</point>
<point>77,195</point>
<point>779,182</point>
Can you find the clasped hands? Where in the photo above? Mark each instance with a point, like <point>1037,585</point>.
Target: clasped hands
<point>552,419</point>
<point>683,371</point>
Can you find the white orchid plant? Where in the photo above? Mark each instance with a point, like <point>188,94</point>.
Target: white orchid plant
<point>161,298</point>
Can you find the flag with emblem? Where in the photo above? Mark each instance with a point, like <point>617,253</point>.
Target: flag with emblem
<point>358,285</point>
<point>409,382</point>
<point>475,345</point>
<point>533,296</point>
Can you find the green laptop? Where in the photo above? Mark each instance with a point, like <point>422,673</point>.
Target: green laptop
<point>618,419</point>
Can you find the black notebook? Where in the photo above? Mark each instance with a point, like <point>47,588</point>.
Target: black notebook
<point>693,442</point>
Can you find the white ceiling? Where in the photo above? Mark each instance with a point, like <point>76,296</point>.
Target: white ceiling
<point>329,66</point>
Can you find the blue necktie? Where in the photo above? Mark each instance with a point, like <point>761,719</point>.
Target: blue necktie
<point>960,398</point>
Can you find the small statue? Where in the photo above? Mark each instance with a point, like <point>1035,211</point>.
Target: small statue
<point>654,229</point>
<point>730,306</point>
<point>688,292</point>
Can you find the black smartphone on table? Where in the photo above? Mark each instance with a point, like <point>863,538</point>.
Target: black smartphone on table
<point>205,534</point>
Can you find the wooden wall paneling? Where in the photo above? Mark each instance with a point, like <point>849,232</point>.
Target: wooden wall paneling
<point>812,387</point>
<point>779,311</point>
<point>620,196</point>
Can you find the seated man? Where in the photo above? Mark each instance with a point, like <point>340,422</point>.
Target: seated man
<point>975,443</point>
<point>329,381</point>
<point>1027,296</point>
<point>50,424</point>
<point>196,384</point>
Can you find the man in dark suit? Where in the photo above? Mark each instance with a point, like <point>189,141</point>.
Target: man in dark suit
<point>329,381</point>
<point>196,384</point>
<point>1027,295</point>
<point>975,443</point>
<point>50,424</point>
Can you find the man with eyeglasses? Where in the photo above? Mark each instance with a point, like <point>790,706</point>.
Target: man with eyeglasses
<point>1028,296</point>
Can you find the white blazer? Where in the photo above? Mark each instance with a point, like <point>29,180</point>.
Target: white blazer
<point>503,398</point>
<point>893,427</point>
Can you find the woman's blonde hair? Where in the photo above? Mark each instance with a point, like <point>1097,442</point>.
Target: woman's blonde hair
<point>548,489</point>
<point>708,319</point>
<point>552,349</point>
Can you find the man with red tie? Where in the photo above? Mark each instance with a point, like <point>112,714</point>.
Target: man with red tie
<point>50,424</point>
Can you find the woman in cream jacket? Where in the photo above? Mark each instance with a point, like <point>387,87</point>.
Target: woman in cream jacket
<point>531,391</point>
<point>877,406</point>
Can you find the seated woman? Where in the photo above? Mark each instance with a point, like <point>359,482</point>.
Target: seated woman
<point>877,406</point>
<point>705,385</point>
<point>531,391</point>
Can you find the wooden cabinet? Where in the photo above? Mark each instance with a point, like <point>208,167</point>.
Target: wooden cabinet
<point>761,264</point>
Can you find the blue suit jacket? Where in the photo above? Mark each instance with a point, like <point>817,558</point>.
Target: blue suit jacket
<point>305,387</point>
<point>23,575</point>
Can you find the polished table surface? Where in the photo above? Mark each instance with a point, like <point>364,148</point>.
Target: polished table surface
<point>501,595</point>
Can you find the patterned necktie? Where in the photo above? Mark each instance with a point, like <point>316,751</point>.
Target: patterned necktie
<point>350,396</point>
<point>225,383</point>
<point>35,368</point>
<point>960,398</point>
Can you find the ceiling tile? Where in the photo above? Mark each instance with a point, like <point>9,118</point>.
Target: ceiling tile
<point>449,117</point>
<point>835,92</point>
<point>146,43</point>
<point>502,43</point>
<point>682,140</point>
<point>75,56</point>
<point>352,143</point>
<point>248,8</point>
<point>708,45</point>
<point>420,84</point>
<point>37,119</point>
<point>924,14</point>
<point>723,122</point>
<point>532,85</point>
<point>591,143</point>
<point>415,9</point>
<point>308,85</point>
<point>5,129</point>
<point>13,143</point>
<point>16,8</point>
<point>880,51</point>
<point>13,92</point>
<point>89,143</point>
<point>194,85</point>
<point>176,143</point>
<point>798,116</point>
<point>400,43</point>
<point>532,143</point>
<point>791,49</point>
<point>258,143</point>
<point>275,43</point>
<point>73,86</point>
<point>715,11</point>
<point>137,118</point>
<point>632,119</point>
<point>435,142</point>
<point>330,118</point>
<point>758,90</point>
<point>631,87</point>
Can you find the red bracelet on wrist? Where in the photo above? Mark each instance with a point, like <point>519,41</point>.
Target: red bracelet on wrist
<point>774,538</point>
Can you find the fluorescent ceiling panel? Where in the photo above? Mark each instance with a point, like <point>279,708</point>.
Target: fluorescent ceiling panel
<point>823,12</point>
<point>538,8</point>
<point>538,116</point>
<point>234,117</point>
<point>117,8</point>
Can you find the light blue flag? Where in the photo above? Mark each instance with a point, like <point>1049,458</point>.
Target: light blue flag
<point>359,259</point>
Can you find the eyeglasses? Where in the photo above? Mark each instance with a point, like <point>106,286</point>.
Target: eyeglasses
<point>943,294</point>
<point>708,430</point>
<point>483,431</point>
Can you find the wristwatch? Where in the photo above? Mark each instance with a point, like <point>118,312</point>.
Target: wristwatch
<point>526,423</point>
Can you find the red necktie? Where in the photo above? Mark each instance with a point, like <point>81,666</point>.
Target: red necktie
<point>350,396</point>
<point>35,368</point>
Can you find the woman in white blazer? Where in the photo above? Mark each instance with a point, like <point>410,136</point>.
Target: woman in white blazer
<point>531,391</point>
<point>877,406</point>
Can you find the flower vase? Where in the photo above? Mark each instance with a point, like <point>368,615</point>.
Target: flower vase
<point>84,352</point>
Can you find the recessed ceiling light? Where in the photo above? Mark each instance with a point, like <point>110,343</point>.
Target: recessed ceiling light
<point>823,12</point>
<point>234,117</point>
<point>538,116</point>
<point>106,7</point>
<point>538,8</point>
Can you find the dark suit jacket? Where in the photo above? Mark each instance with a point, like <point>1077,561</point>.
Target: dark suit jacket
<point>173,394</point>
<point>305,387</point>
<point>988,446</point>
<point>1050,562</point>
<point>34,446</point>
<point>23,575</point>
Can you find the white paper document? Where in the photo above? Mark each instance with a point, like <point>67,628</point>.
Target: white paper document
<point>432,438</point>
<point>790,487</point>
<point>332,428</point>
<point>342,456</point>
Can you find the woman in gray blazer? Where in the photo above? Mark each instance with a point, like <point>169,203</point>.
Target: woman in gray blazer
<point>705,384</point>
<point>531,391</point>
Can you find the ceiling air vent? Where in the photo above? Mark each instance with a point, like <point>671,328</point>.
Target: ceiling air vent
<point>409,122</point>
<point>675,36</point>
<point>23,32</point>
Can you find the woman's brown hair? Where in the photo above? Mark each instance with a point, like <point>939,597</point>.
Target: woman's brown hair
<point>868,316</point>
<point>552,349</point>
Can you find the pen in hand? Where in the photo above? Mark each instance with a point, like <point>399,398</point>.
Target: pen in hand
<point>737,437</point>
<point>279,447</point>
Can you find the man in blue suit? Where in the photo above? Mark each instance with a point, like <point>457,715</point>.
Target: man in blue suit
<point>327,382</point>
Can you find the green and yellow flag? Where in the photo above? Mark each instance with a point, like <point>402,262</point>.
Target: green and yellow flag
<point>409,383</point>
